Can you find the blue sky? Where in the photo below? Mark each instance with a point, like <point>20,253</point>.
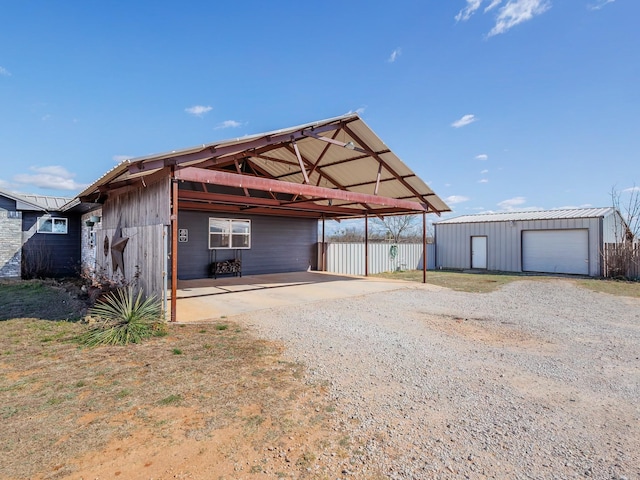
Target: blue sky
<point>498,105</point>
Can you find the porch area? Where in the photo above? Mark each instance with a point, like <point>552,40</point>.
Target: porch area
<point>211,299</point>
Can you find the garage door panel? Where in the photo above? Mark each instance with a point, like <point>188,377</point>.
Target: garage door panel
<point>556,251</point>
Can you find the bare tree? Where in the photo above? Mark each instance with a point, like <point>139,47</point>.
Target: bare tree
<point>347,234</point>
<point>400,228</point>
<point>629,207</point>
<point>623,258</point>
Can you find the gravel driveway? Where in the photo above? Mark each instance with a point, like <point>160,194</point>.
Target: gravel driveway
<point>540,379</point>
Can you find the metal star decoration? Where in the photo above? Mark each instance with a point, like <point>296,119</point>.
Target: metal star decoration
<point>118,243</point>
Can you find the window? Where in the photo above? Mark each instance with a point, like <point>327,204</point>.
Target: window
<point>52,225</point>
<point>229,233</point>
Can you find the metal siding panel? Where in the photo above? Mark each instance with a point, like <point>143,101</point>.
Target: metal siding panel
<point>531,215</point>
<point>556,251</point>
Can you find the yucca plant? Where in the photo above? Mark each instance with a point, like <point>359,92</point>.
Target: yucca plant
<point>124,317</point>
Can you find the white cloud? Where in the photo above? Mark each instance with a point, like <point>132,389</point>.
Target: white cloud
<point>453,199</point>
<point>198,110</point>
<point>121,158</point>
<point>516,12</point>
<point>228,124</point>
<point>4,72</point>
<point>483,180</point>
<point>359,111</point>
<point>485,171</point>
<point>492,5</point>
<point>482,156</point>
<point>631,189</point>
<point>599,4</point>
<point>464,121</point>
<point>394,55</point>
<point>510,203</point>
<point>470,9</point>
<point>54,177</point>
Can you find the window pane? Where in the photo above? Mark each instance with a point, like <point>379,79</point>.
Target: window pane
<point>218,225</point>
<point>44,225</point>
<point>240,241</point>
<point>218,241</point>
<point>239,226</point>
<point>59,225</point>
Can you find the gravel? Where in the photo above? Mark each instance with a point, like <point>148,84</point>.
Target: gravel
<point>540,379</point>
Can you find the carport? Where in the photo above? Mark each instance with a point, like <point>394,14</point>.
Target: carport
<point>250,204</point>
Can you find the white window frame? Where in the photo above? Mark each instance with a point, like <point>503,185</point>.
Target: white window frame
<point>58,225</point>
<point>229,233</point>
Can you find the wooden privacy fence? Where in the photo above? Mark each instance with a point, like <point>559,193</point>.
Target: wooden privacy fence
<point>349,258</point>
<point>621,260</point>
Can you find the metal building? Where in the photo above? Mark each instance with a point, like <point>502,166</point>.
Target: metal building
<point>550,241</point>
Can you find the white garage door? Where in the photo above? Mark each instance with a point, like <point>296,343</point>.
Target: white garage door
<point>555,251</point>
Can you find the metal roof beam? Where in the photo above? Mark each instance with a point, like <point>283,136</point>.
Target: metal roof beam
<point>257,183</point>
<point>213,151</point>
<point>391,170</point>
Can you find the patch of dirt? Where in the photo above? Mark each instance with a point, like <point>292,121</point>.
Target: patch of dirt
<point>205,402</point>
<point>488,331</point>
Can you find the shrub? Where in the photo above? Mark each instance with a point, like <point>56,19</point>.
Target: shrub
<point>124,317</point>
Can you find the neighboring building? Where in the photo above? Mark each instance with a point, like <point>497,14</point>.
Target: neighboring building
<point>38,236</point>
<point>552,241</point>
<point>245,206</point>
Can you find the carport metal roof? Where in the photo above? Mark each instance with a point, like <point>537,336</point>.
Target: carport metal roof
<point>334,168</point>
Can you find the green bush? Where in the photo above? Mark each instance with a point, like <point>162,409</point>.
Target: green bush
<point>124,317</point>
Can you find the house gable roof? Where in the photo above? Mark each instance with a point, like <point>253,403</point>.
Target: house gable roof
<point>38,203</point>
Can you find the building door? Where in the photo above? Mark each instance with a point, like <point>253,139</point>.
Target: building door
<point>555,251</point>
<point>479,252</point>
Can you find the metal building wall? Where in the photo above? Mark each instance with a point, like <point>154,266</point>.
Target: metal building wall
<point>504,242</point>
<point>349,258</point>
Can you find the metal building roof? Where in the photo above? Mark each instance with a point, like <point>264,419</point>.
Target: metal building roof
<point>43,203</point>
<point>564,213</point>
<point>336,154</point>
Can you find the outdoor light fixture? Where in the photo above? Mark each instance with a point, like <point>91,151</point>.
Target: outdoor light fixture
<point>350,146</point>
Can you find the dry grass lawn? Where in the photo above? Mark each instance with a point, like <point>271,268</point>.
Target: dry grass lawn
<point>488,282</point>
<point>205,402</point>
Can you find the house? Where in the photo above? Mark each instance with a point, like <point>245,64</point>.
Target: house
<point>567,241</point>
<point>38,236</point>
<point>244,206</point>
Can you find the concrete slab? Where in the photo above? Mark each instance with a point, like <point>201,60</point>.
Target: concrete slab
<point>210,299</point>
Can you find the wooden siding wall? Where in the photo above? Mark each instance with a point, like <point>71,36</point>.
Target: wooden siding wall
<point>504,242</point>
<point>278,244</point>
<point>142,214</point>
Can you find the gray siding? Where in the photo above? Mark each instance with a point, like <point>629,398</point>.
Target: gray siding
<point>277,245</point>
<point>7,204</point>
<point>349,258</point>
<point>504,242</point>
<point>54,255</point>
